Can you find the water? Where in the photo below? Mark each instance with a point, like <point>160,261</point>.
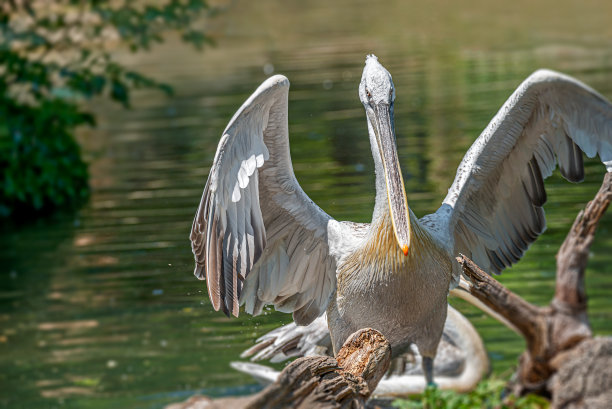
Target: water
<point>100,309</point>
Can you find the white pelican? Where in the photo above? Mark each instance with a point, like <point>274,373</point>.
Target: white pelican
<point>258,239</point>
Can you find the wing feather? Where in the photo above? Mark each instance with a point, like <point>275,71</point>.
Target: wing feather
<point>493,210</point>
<point>257,238</point>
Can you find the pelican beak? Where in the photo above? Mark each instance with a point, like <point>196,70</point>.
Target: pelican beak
<point>382,122</point>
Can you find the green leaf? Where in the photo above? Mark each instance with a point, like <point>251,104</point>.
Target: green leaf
<point>119,92</point>
<point>40,162</point>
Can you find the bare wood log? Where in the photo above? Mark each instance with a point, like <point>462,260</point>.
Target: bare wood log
<point>552,331</point>
<point>366,354</point>
<point>307,382</point>
<point>325,382</point>
<point>318,381</point>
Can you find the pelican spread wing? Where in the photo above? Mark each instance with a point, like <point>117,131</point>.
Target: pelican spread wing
<point>493,210</point>
<point>255,225</point>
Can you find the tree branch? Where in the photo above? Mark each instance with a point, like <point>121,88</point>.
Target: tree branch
<point>523,315</point>
<point>324,382</point>
<point>573,255</point>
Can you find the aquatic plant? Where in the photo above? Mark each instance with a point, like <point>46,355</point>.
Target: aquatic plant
<point>488,394</point>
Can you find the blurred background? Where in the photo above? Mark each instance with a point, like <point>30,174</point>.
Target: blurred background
<point>98,304</point>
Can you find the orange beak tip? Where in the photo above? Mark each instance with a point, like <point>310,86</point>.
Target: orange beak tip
<point>405,249</point>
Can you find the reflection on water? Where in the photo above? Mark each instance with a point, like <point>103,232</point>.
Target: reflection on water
<point>100,309</point>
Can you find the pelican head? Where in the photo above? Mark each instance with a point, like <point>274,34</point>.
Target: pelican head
<point>377,94</point>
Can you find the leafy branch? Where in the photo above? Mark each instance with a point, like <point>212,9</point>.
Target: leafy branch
<point>53,55</point>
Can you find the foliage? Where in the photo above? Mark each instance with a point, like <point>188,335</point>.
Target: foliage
<point>488,394</point>
<point>53,55</point>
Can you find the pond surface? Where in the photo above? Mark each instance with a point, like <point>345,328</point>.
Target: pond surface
<point>100,309</point>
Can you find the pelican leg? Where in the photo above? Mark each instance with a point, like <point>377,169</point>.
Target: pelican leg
<point>428,370</point>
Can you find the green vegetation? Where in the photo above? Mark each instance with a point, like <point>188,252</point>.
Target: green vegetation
<point>488,394</point>
<point>53,55</point>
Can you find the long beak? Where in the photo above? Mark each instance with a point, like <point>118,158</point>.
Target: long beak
<point>396,192</point>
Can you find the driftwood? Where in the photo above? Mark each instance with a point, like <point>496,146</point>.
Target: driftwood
<point>584,380</point>
<point>559,338</point>
<point>318,381</point>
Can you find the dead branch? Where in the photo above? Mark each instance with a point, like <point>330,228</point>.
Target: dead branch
<point>551,332</point>
<point>325,382</point>
<point>573,253</point>
<point>318,381</point>
<point>512,307</point>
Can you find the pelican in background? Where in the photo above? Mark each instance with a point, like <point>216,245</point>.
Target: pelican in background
<point>461,360</point>
<point>258,239</point>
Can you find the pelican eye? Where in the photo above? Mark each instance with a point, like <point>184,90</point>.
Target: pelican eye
<point>369,95</point>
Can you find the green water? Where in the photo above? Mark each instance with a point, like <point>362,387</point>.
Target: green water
<point>100,309</point>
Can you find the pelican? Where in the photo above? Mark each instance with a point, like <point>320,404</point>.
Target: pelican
<point>258,239</point>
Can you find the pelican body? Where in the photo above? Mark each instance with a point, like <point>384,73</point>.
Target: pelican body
<point>258,239</point>
<point>392,275</point>
<point>401,295</point>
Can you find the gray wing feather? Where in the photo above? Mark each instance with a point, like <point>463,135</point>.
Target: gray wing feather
<point>493,210</point>
<point>257,238</point>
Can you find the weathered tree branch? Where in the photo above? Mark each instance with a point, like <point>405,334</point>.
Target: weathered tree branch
<point>325,382</point>
<point>573,253</point>
<point>519,312</point>
<point>552,331</point>
<point>366,354</point>
<point>318,382</point>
